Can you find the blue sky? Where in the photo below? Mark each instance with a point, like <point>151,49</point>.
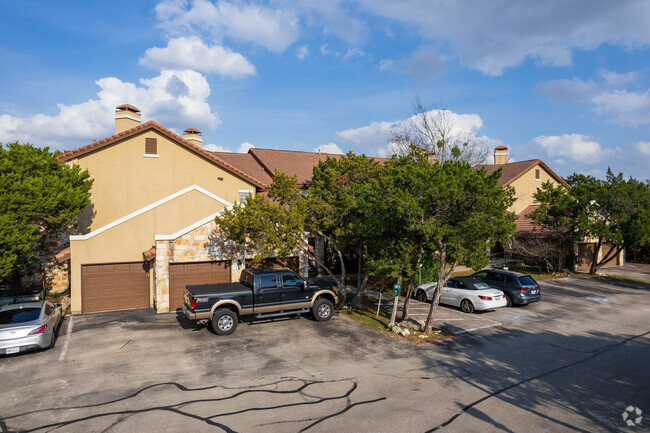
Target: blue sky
<point>564,81</point>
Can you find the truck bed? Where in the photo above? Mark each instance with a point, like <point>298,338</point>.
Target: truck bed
<point>217,289</point>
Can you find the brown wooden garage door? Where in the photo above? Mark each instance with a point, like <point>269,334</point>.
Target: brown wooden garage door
<point>182,274</point>
<point>292,263</point>
<point>114,286</point>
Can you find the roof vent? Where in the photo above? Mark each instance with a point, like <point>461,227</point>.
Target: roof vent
<point>193,135</point>
<point>126,117</point>
<point>501,155</point>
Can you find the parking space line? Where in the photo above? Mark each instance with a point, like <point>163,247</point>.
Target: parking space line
<point>462,331</point>
<point>67,340</point>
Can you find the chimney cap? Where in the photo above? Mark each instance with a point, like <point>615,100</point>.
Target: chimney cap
<point>501,148</point>
<point>127,107</point>
<point>192,131</point>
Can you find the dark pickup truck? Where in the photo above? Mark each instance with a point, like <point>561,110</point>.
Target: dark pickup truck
<point>262,292</point>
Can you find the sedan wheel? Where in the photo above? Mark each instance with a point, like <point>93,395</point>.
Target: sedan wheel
<point>508,300</point>
<point>467,306</point>
<point>421,296</point>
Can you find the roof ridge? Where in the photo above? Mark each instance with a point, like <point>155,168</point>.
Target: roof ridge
<point>296,151</point>
<point>151,124</point>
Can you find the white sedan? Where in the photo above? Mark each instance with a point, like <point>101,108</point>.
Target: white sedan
<point>470,294</point>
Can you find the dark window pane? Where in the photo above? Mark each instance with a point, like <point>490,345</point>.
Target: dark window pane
<point>267,281</point>
<point>527,281</point>
<point>508,278</point>
<point>19,315</point>
<point>289,279</point>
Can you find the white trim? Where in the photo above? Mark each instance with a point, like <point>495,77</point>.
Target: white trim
<point>146,209</point>
<point>189,228</point>
<point>150,155</point>
<point>126,116</point>
<point>245,190</point>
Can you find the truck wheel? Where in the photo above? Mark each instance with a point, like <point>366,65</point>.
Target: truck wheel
<point>322,310</point>
<point>224,321</point>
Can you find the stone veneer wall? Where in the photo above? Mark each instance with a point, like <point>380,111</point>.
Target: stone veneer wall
<point>205,243</point>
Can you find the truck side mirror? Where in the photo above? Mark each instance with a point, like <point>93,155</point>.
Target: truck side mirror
<point>303,285</point>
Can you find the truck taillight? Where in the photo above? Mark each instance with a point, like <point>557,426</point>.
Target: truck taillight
<point>193,304</point>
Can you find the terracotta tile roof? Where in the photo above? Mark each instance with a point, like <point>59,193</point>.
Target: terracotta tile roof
<point>525,225</point>
<point>63,255</point>
<point>514,170</point>
<point>290,162</point>
<point>246,163</point>
<point>153,125</point>
<point>150,254</point>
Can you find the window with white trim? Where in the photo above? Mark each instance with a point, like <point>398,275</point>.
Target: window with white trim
<point>244,193</point>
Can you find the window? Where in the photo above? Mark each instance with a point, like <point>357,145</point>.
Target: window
<point>151,146</point>
<point>289,279</point>
<point>509,278</point>
<point>48,309</point>
<point>243,194</point>
<point>451,284</point>
<point>267,281</point>
<point>537,174</point>
<point>493,276</point>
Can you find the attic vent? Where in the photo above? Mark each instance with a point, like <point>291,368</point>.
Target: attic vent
<point>151,146</point>
<point>537,174</point>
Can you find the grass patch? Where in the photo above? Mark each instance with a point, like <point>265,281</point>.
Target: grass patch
<point>367,316</point>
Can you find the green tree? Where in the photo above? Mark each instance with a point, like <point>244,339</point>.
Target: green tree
<point>614,212</point>
<point>40,197</point>
<point>465,213</point>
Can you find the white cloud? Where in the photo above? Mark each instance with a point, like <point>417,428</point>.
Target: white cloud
<point>618,105</point>
<point>333,17</point>
<point>329,148</point>
<point>214,148</point>
<point>302,52</point>
<point>192,53</point>
<point>324,49</point>
<point>632,108</point>
<point>244,147</point>
<point>354,52</point>
<point>424,65</point>
<point>385,64</point>
<point>274,29</point>
<point>377,135</point>
<point>491,36</point>
<point>174,99</point>
<point>643,147</point>
<point>574,90</point>
<point>576,147</point>
<point>617,79</point>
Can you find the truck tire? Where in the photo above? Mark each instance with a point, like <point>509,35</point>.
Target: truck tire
<point>224,321</point>
<point>322,310</point>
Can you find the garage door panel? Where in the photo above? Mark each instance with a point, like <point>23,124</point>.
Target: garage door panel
<point>114,286</point>
<point>183,274</point>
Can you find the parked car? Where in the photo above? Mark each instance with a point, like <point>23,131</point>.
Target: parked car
<point>28,326</point>
<point>262,292</point>
<point>467,293</point>
<point>520,289</point>
<point>26,294</point>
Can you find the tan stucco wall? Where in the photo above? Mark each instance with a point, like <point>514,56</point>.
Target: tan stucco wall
<point>527,185</point>
<point>127,241</point>
<point>126,181</point>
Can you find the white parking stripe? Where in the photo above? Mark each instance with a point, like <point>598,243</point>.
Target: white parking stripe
<point>462,331</point>
<point>67,340</point>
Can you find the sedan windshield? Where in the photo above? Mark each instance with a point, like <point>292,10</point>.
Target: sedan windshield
<point>19,315</point>
<point>481,286</point>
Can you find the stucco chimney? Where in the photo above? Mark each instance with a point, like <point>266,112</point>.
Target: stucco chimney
<point>501,155</point>
<point>126,117</point>
<point>193,136</point>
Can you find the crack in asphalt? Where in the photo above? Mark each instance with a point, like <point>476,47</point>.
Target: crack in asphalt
<point>210,420</point>
<point>597,352</point>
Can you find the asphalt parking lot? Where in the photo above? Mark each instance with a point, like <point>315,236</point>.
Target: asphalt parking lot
<point>573,362</point>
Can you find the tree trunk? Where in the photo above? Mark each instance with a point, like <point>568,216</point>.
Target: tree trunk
<point>608,258</point>
<point>593,268</point>
<point>361,292</point>
<point>341,283</point>
<point>443,276</point>
<point>407,300</point>
<point>359,264</point>
<point>393,315</point>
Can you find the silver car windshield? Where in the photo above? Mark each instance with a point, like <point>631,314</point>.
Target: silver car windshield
<point>19,315</point>
<point>481,286</point>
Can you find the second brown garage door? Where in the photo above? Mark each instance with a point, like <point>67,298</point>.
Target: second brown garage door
<point>114,286</point>
<point>182,274</point>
